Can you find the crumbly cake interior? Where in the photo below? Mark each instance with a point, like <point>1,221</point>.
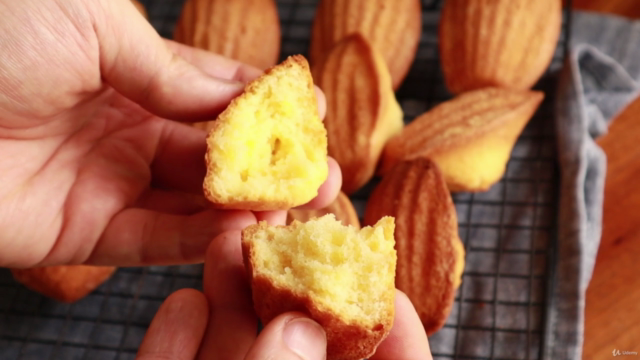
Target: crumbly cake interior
<point>349,272</point>
<point>271,143</point>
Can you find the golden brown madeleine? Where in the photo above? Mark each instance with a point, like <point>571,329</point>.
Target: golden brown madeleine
<point>67,283</point>
<point>430,253</point>
<point>140,8</point>
<point>362,111</point>
<point>393,27</point>
<point>342,208</point>
<point>470,137</point>
<point>243,30</point>
<point>504,43</point>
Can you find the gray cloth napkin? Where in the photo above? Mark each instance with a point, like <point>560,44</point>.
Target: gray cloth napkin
<point>599,79</point>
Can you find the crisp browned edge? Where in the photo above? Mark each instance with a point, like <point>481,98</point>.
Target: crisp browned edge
<point>344,341</point>
<point>250,205</point>
<point>40,280</point>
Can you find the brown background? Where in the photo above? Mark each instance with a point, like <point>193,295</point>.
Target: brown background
<point>613,297</point>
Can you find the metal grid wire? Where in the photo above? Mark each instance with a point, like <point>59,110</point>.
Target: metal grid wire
<point>508,232</point>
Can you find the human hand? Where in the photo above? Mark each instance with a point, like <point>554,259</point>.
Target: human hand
<point>222,325</point>
<point>91,170</point>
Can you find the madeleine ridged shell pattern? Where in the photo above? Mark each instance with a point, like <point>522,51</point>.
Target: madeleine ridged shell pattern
<point>362,111</point>
<point>393,27</point>
<point>243,30</point>
<point>470,137</point>
<point>429,263</point>
<point>506,43</point>
<point>342,208</point>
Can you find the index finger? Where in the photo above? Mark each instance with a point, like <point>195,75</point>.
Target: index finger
<point>233,324</point>
<point>177,328</point>
<point>224,68</point>
<point>215,65</point>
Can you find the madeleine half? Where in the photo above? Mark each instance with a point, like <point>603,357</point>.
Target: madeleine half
<point>342,277</point>
<point>393,27</point>
<point>268,149</point>
<point>67,283</point>
<point>470,137</point>
<point>342,208</point>
<point>502,43</point>
<point>430,253</point>
<point>244,30</point>
<point>362,111</point>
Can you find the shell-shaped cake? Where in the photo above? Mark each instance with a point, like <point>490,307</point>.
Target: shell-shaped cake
<point>430,253</point>
<point>243,30</point>
<point>470,137</point>
<point>393,27</point>
<point>504,43</point>
<point>362,111</point>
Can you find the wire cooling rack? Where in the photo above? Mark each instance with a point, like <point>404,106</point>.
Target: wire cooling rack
<point>509,235</point>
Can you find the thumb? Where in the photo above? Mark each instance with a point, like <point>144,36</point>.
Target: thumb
<point>137,62</point>
<point>290,336</point>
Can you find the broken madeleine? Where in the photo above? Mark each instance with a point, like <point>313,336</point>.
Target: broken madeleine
<point>268,149</point>
<point>341,276</point>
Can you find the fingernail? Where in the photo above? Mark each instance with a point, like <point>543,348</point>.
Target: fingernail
<point>306,338</point>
